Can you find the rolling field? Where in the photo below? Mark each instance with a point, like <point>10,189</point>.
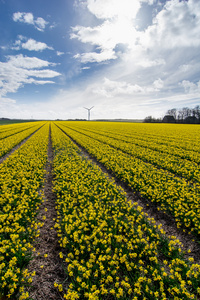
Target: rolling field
<point>108,246</point>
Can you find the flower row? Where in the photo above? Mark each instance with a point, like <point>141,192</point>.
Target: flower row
<point>165,138</point>
<point>172,194</point>
<point>186,166</point>
<point>21,176</point>
<point>14,137</point>
<point>8,130</point>
<point>111,249</point>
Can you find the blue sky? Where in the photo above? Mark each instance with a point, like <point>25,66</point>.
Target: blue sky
<point>127,58</point>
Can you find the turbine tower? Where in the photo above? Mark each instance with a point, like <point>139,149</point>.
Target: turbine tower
<point>89,109</point>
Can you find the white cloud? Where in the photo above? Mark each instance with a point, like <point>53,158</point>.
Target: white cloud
<point>23,17</point>
<point>54,25</point>
<point>108,34</point>
<point>110,88</point>
<point>7,100</point>
<point>26,62</point>
<point>3,47</point>
<point>177,25</point>
<point>150,2</point>
<point>185,68</point>
<point>34,45</point>
<point>20,70</point>
<point>190,87</point>
<point>40,23</point>
<point>132,106</point>
<point>43,73</point>
<point>96,57</point>
<point>38,82</point>
<point>109,9</point>
<point>8,106</point>
<point>113,99</point>
<point>28,18</point>
<point>30,44</point>
<point>59,53</point>
<point>146,63</point>
<point>158,84</point>
<point>116,28</point>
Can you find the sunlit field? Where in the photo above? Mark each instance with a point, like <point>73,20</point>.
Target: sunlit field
<point>109,247</point>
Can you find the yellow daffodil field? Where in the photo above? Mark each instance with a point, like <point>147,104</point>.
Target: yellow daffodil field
<point>109,247</point>
<point>174,192</point>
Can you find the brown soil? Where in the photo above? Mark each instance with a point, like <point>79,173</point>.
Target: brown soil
<point>189,242</point>
<point>42,287</point>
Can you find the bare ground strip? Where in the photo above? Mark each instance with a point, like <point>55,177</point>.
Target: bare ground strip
<point>46,261</point>
<point>167,221</point>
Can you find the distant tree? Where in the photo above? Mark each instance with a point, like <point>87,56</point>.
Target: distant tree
<point>184,115</point>
<point>186,112</point>
<point>172,112</point>
<point>180,116</point>
<point>191,120</point>
<point>148,119</point>
<point>197,112</point>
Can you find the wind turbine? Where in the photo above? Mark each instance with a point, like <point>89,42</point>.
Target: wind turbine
<point>89,109</point>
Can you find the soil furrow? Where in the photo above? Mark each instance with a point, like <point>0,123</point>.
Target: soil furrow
<point>167,221</point>
<point>46,261</point>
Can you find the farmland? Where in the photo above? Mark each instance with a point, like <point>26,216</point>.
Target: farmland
<point>109,247</point>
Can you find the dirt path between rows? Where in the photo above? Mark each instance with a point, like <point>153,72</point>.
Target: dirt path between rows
<point>167,221</point>
<point>46,261</point>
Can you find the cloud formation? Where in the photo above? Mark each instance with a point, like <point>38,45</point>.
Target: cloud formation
<point>155,61</point>
<point>96,57</point>
<point>20,70</point>
<point>104,9</point>
<point>59,53</point>
<point>176,25</point>
<point>110,88</point>
<point>128,58</point>
<point>190,87</point>
<point>116,28</point>
<point>28,18</point>
<point>30,44</point>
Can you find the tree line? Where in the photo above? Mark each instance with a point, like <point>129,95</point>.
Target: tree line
<point>183,115</point>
